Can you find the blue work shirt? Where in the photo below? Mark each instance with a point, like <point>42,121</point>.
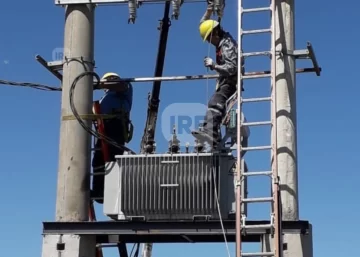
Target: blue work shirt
<point>113,100</point>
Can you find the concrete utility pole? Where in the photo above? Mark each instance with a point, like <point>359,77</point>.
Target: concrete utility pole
<point>73,190</point>
<point>286,109</point>
<point>294,245</point>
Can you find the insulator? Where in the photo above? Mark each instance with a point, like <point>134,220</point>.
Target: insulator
<point>132,11</point>
<point>176,4</point>
<point>187,147</point>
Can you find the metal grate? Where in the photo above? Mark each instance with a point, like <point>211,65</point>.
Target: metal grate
<point>168,186</point>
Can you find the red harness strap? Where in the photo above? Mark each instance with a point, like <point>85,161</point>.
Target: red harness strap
<point>101,130</point>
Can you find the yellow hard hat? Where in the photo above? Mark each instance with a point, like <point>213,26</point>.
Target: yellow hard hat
<point>110,76</point>
<point>207,27</point>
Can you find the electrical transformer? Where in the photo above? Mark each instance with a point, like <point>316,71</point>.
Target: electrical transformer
<point>186,186</point>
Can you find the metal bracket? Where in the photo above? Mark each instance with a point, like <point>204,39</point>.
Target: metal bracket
<point>56,66</point>
<point>308,53</point>
<point>53,67</point>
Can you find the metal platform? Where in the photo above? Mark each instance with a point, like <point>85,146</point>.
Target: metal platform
<point>167,231</point>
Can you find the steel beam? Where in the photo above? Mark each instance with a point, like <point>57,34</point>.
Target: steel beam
<point>54,68</point>
<point>167,231</point>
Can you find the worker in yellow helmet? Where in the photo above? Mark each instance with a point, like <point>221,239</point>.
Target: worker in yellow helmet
<point>226,65</point>
<point>117,101</point>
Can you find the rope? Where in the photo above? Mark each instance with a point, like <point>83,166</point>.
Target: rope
<point>31,85</point>
<point>221,220</point>
<point>207,71</point>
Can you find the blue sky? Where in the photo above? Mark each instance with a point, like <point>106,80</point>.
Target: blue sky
<point>327,121</point>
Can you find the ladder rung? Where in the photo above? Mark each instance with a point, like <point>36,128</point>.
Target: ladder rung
<point>268,53</point>
<point>256,76</point>
<point>261,9</point>
<point>257,173</point>
<point>258,254</point>
<point>256,123</point>
<point>253,100</point>
<point>257,200</point>
<point>265,226</point>
<point>254,148</point>
<point>255,31</point>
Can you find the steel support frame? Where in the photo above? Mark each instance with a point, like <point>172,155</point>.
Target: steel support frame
<point>167,231</point>
<point>55,66</point>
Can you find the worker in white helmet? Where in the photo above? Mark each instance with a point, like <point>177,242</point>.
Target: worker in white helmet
<point>226,65</point>
<point>117,102</point>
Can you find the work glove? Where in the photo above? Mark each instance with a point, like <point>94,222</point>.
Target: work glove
<point>208,62</point>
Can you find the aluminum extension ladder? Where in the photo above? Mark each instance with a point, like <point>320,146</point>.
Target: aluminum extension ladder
<point>275,216</point>
<point>99,124</point>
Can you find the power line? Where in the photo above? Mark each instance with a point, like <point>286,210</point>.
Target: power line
<point>31,85</point>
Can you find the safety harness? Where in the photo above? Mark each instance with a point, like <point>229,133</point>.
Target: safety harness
<point>124,116</point>
<point>127,125</point>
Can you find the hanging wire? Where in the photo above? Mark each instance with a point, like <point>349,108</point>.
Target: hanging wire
<point>30,85</point>
<point>207,70</point>
<point>220,216</point>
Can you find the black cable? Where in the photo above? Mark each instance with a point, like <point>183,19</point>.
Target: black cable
<point>31,85</point>
<point>82,123</point>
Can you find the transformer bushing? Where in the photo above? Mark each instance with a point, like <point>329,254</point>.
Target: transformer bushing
<point>174,143</point>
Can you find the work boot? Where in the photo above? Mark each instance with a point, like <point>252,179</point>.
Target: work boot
<point>206,136</point>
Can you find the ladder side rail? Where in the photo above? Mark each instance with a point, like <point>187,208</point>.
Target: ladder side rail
<point>106,156</point>
<point>92,217</point>
<point>238,158</point>
<point>101,129</point>
<point>105,151</point>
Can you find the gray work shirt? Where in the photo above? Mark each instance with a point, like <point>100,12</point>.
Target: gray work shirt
<point>227,60</point>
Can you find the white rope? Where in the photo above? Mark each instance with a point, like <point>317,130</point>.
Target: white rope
<point>207,80</point>
<point>221,220</point>
<point>207,71</point>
